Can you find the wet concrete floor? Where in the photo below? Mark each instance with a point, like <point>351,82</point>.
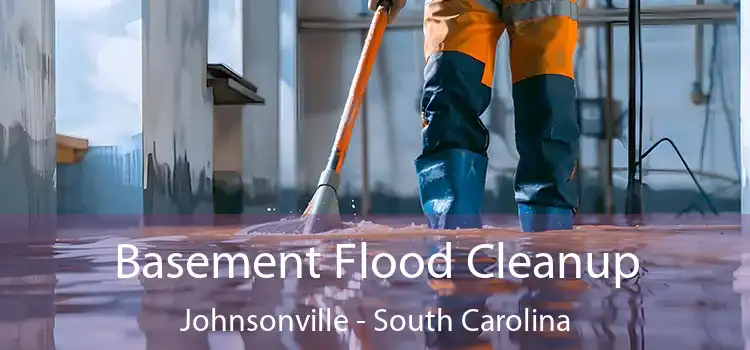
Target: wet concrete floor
<point>67,295</point>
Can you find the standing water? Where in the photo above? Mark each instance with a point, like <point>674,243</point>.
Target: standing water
<point>182,292</point>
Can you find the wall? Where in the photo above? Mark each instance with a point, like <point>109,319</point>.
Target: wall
<point>27,170</point>
<point>261,39</point>
<point>177,109</point>
<point>744,107</point>
<point>227,128</point>
<point>228,189</point>
<point>106,173</point>
<point>742,275</point>
<point>27,117</point>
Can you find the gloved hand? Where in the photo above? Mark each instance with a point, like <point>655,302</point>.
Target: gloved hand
<point>395,8</point>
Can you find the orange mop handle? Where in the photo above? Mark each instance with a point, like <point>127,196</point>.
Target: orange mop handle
<point>357,89</point>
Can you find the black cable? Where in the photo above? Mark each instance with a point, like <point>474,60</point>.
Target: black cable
<point>684,163</point>
<point>634,187</point>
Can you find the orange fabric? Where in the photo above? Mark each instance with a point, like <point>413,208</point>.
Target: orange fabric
<point>543,46</point>
<point>539,46</point>
<point>467,287</point>
<point>463,26</point>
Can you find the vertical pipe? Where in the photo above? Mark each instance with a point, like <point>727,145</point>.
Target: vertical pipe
<point>632,206</point>
<point>366,198</point>
<point>698,96</point>
<point>609,201</point>
<point>609,120</point>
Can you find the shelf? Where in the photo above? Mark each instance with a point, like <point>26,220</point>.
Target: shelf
<point>230,88</point>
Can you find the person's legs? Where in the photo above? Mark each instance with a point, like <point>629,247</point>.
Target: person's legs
<point>460,41</point>
<point>543,36</point>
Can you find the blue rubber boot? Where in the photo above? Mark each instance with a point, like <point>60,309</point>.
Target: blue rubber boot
<point>537,218</point>
<point>451,188</point>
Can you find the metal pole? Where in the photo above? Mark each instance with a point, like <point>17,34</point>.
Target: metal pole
<point>697,93</point>
<point>609,118</point>
<point>633,199</point>
<point>366,199</point>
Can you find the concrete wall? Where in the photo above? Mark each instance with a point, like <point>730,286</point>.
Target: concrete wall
<point>177,108</point>
<point>228,153</point>
<point>261,123</point>
<point>27,168</point>
<point>27,116</point>
<point>227,128</point>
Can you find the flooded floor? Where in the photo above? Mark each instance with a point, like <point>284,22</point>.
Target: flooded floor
<point>687,294</point>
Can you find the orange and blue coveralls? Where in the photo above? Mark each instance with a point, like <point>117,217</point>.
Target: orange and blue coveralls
<point>461,38</point>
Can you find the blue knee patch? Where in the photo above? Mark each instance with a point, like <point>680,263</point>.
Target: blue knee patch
<point>451,188</point>
<point>453,99</point>
<point>537,218</point>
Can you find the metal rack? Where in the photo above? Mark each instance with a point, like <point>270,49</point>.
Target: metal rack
<point>662,15</point>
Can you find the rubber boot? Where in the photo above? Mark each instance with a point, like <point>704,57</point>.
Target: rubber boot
<point>451,188</point>
<point>537,218</point>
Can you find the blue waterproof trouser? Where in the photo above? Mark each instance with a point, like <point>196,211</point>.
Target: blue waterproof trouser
<point>460,43</point>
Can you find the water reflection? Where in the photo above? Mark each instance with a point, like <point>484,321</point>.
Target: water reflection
<point>683,297</point>
<point>27,297</point>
